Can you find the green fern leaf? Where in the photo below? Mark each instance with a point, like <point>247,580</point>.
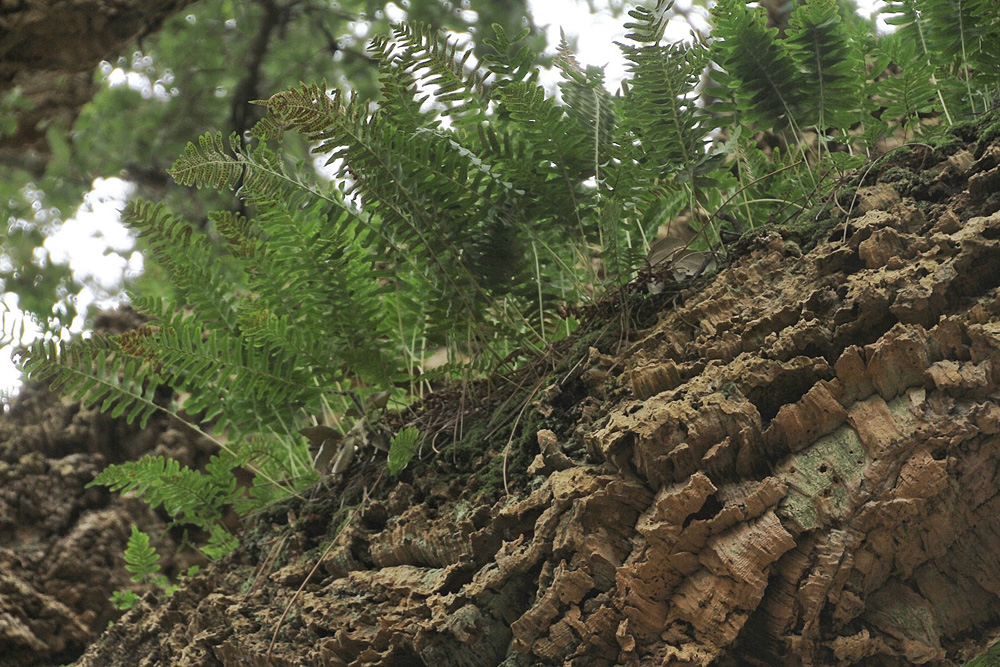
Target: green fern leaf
<point>197,273</point>
<point>588,102</point>
<point>831,71</point>
<point>762,75</point>
<point>912,91</point>
<point>660,112</point>
<point>211,166</point>
<point>402,449</point>
<point>649,24</point>
<point>95,370</point>
<point>509,59</point>
<point>141,559</point>
<point>186,495</point>
<point>444,69</point>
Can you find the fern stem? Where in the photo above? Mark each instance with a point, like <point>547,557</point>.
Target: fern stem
<point>538,284</point>
<point>927,58</point>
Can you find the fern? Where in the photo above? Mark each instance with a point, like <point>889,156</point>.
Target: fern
<point>188,495</point>
<point>418,48</point>
<point>190,359</point>
<point>404,173</point>
<point>830,69</point>
<point>649,24</point>
<point>143,562</point>
<point>985,59</point>
<point>95,370</point>
<point>957,42</point>
<point>196,273</point>
<point>402,449</point>
<point>406,204</point>
<point>910,92</point>
<point>509,59</point>
<point>756,67</point>
<point>260,171</point>
<point>587,101</point>
<point>140,558</point>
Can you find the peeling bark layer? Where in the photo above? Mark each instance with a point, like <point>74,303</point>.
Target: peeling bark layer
<point>798,466</point>
<point>49,49</point>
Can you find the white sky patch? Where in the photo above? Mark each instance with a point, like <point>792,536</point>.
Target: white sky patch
<point>597,33</point>
<point>394,13</point>
<point>91,241</point>
<point>326,171</point>
<point>137,79</point>
<point>100,252</point>
<point>19,330</point>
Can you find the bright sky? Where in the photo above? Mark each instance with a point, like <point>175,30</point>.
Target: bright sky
<point>100,251</point>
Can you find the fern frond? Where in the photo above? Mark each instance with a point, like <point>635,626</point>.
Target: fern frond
<point>190,359</point>
<point>509,59</point>
<point>958,40</point>
<point>402,449</point>
<point>220,542</point>
<point>985,57</point>
<point>195,270</point>
<point>259,172</point>
<point>557,154</point>
<point>238,232</point>
<point>425,188</point>
<point>910,92</point>
<point>416,49</point>
<point>589,103</point>
<point>307,109</point>
<point>211,166</point>
<point>400,96</point>
<point>649,24</point>
<point>831,71</point>
<point>186,495</point>
<point>96,370</point>
<point>762,76</point>
<point>141,558</point>
<point>947,31</point>
<point>664,138</point>
<point>123,374</point>
<point>661,112</point>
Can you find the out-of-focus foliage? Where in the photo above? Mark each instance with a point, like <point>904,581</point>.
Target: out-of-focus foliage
<point>200,72</point>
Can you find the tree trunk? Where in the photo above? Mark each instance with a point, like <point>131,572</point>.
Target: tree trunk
<point>794,464</point>
<point>50,49</point>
